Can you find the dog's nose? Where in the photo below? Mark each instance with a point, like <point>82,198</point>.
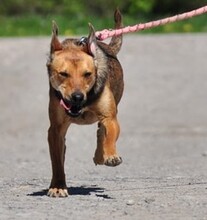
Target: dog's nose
<point>77,97</point>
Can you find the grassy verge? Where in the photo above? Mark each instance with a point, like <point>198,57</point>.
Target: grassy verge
<point>35,25</point>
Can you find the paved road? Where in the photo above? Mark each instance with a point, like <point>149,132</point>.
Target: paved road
<point>163,142</point>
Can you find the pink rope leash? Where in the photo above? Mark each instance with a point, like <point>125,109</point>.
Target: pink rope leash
<point>104,34</point>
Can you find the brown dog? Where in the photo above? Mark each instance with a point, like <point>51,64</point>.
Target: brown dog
<point>86,84</point>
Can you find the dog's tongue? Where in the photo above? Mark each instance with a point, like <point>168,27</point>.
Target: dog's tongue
<point>62,103</point>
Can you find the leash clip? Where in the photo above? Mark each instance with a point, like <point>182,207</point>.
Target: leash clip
<point>83,41</point>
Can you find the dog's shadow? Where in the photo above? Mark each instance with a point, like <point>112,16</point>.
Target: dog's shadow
<point>81,190</point>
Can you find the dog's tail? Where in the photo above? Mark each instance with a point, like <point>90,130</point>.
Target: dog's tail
<point>116,41</point>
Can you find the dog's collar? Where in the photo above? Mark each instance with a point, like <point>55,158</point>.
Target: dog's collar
<point>92,96</point>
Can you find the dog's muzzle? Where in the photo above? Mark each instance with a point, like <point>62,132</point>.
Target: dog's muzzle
<point>74,105</point>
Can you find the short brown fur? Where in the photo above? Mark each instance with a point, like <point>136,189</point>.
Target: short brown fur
<point>87,77</point>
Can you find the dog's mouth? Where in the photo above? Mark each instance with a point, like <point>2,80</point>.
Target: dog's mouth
<point>73,110</point>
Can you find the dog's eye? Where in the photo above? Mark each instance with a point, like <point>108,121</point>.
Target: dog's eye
<point>64,74</point>
<point>87,74</point>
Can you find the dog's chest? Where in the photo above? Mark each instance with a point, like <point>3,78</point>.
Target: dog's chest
<point>87,117</point>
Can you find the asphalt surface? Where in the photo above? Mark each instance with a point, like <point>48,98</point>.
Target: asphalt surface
<point>163,141</point>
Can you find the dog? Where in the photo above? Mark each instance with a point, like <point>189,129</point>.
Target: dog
<point>85,86</point>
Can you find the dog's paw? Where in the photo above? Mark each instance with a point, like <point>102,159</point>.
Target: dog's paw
<point>113,161</point>
<point>55,192</point>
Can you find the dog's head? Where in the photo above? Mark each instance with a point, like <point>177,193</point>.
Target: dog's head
<point>77,69</point>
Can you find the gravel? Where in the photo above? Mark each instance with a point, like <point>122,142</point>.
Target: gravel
<point>163,118</point>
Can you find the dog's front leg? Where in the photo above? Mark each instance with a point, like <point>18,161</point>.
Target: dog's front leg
<point>56,139</point>
<point>107,134</point>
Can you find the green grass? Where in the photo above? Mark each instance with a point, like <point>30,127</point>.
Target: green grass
<point>31,25</point>
<point>36,25</point>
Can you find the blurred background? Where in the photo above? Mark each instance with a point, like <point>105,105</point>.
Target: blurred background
<point>33,17</point>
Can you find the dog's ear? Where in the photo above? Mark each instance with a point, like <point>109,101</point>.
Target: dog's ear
<point>92,42</point>
<point>55,43</point>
